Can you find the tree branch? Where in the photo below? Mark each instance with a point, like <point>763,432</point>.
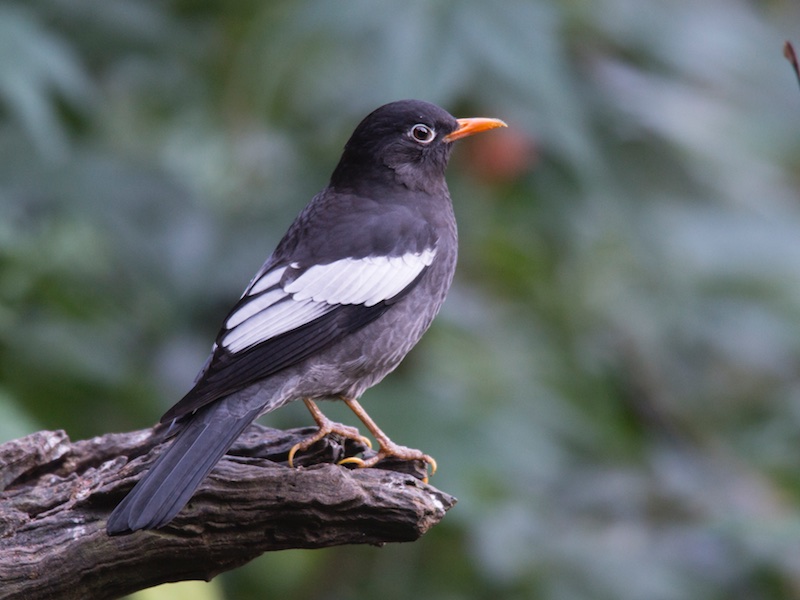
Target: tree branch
<point>55,496</point>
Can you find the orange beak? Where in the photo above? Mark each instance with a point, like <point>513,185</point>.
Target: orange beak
<point>472,126</point>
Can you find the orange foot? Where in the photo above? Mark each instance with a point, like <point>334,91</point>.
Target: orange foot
<point>326,426</point>
<point>388,449</point>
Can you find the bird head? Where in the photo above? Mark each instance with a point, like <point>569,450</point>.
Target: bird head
<point>405,143</point>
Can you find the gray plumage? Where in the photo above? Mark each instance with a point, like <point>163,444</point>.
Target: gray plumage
<point>349,290</point>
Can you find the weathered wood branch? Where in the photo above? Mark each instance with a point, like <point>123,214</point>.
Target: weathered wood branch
<point>55,496</point>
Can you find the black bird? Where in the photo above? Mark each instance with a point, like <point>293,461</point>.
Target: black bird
<point>349,290</point>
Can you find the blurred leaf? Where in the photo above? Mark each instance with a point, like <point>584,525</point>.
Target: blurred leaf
<point>14,423</point>
<point>185,590</point>
<point>36,68</point>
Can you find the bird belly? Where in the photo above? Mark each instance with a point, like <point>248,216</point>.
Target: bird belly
<point>373,352</point>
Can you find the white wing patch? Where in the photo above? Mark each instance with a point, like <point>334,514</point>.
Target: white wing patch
<point>272,321</point>
<point>264,281</point>
<point>364,281</point>
<point>254,306</point>
<point>268,310</point>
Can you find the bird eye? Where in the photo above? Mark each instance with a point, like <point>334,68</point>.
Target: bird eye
<point>422,133</point>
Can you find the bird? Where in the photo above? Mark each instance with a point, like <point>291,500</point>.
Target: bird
<point>348,291</point>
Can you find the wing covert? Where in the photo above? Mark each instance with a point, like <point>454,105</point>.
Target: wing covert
<point>289,313</point>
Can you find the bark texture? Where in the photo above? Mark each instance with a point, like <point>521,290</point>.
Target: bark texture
<point>55,496</point>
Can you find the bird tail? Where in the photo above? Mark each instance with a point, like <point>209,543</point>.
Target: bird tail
<point>172,480</point>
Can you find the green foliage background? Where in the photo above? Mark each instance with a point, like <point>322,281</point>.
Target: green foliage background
<point>612,389</point>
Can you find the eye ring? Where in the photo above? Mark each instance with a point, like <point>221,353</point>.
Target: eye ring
<point>422,133</point>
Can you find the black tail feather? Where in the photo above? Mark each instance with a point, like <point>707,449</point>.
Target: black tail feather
<point>172,480</point>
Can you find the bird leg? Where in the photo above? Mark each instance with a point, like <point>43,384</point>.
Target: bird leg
<point>387,447</point>
<point>326,426</point>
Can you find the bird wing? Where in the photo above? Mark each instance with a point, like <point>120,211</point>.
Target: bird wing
<point>289,312</point>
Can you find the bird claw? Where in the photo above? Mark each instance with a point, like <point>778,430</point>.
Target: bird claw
<point>388,449</point>
<point>326,426</point>
<point>392,450</point>
<point>347,432</point>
